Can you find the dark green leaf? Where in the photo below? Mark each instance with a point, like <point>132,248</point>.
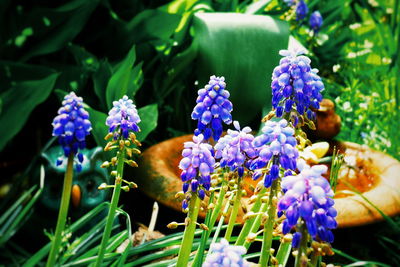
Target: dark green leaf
<point>11,72</point>
<point>63,24</point>
<point>126,80</point>
<point>84,58</point>
<point>149,117</point>
<point>18,103</point>
<point>244,49</point>
<point>152,25</point>
<point>100,80</point>
<point>99,127</point>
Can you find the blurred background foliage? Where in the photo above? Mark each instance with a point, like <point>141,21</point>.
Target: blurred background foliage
<point>160,52</point>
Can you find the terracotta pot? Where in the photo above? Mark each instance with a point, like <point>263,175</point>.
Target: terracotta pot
<point>376,174</point>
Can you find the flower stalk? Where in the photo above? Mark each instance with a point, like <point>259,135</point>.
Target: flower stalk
<point>198,260</point>
<point>62,214</point>
<point>188,235</point>
<point>248,225</point>
<point>269,225</point>
<point>113,207</point>
<point>301,252</point>
<point>234,212</point>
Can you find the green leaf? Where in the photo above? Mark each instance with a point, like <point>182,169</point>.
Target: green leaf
<point>64,24</point>
<point>11,72</point>
<point>100,80</point>
<point>149,117</point>
<point>283,253</point>
<point>19,102</point>
<point>126,80</point>
<point>99,127</point>
<point>244,49</point>
<point>152,24</point>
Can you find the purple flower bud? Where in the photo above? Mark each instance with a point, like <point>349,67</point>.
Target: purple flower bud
<point>316,21</point>
<point>301,10</point>
<point>296,240</point>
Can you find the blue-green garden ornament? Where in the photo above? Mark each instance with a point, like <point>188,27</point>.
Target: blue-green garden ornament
<point>85,193</point>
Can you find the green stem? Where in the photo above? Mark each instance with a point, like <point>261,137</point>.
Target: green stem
<point>198,259</point>
<point>303,245</point>
<point>215,214</point>
<point>217,209</point>
<point>62,214</point>
<point>256,224</point>
<point>188,235</point>
<point>248,224</point>
<point>268,226</point>
<point>221,220</point>
<point>113,207</point>
<point>234,212</point>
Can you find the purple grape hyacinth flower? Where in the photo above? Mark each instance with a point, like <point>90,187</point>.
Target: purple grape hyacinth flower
<point>316,21</point>
<point>213,107</point>
<point>295,86</point>
<point>277,145</point>
<point>123,118</point>
<point>308,197</point>
<point>301,10</point>
<point>223,254</point>
<point>71,126</point>
<point>235,149</point>
<point>197,165</point>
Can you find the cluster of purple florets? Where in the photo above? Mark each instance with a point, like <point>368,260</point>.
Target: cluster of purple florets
<point>123,118</point>
<point>277,145</point>
<point>213,107</point>
<point>301,10</point>
<point>308,198</point>
<point>223,254</point>
<point>235,149</point>
<point>316,21</point>
<point>295,85</point>
<point>71,126</point>
<point>197,165</point>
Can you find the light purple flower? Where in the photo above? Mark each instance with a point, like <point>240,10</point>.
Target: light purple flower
<point>308,197</point>
<point>123,118</point>
<point>197,164</point>
<point>235,149</point>
<point>277,145</point>
<point>223,254</point>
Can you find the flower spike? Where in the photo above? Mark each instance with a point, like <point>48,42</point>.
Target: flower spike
<point>196,165</point>
<point>296,88</point>
<point>277,145</point>
<point>71,126</point>
<point>123,118</point>
<point>213,107</point>
<point>309,198</point>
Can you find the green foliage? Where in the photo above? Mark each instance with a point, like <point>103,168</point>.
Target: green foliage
<point>18,103</point>
<point>126,79</point>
